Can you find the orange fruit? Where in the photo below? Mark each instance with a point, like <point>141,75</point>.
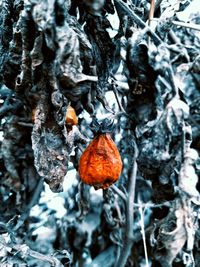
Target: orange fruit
<point>100,164</point>
<point>71,118</point>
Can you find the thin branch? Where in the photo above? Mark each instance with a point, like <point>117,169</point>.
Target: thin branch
<point>128,240</point>
<point>143,236</point>
<point>190,25</point>
<point>148,231</point>
<point>137,20</point>
<point>119,192</point>
<point>152,206</point>
<point>25,124</point>
<point>151,14</point>
<point>151,11</point>
<point>187,25</point>
<point>157,5</point>
<point>140,205</point>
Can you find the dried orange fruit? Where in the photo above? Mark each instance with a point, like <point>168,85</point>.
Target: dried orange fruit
<point>100,164</point>
<point>71,118</point>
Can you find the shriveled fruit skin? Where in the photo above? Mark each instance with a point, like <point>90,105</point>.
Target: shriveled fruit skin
<point>71,117</point>
<point>100,164</point>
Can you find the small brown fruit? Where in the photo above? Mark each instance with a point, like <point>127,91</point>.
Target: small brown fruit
<point>71,118</point>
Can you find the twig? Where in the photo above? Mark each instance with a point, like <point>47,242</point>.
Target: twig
<point>148,231</point>
<point>183,24</point>
<point>143,236</point>
<point>136,19</point>
<point>119,192</point>
<point>151,11</point>
<point>128,240</point>
<point>151,14</point>
<point>173,37</point>
<point>152,206</point>
<point>157,4</point>
<point>25,124</point>
<point>136,205</point>
<point>187,25</point>
<point>176,40</point>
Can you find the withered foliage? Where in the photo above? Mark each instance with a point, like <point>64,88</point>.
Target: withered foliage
<point>56,53</point>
